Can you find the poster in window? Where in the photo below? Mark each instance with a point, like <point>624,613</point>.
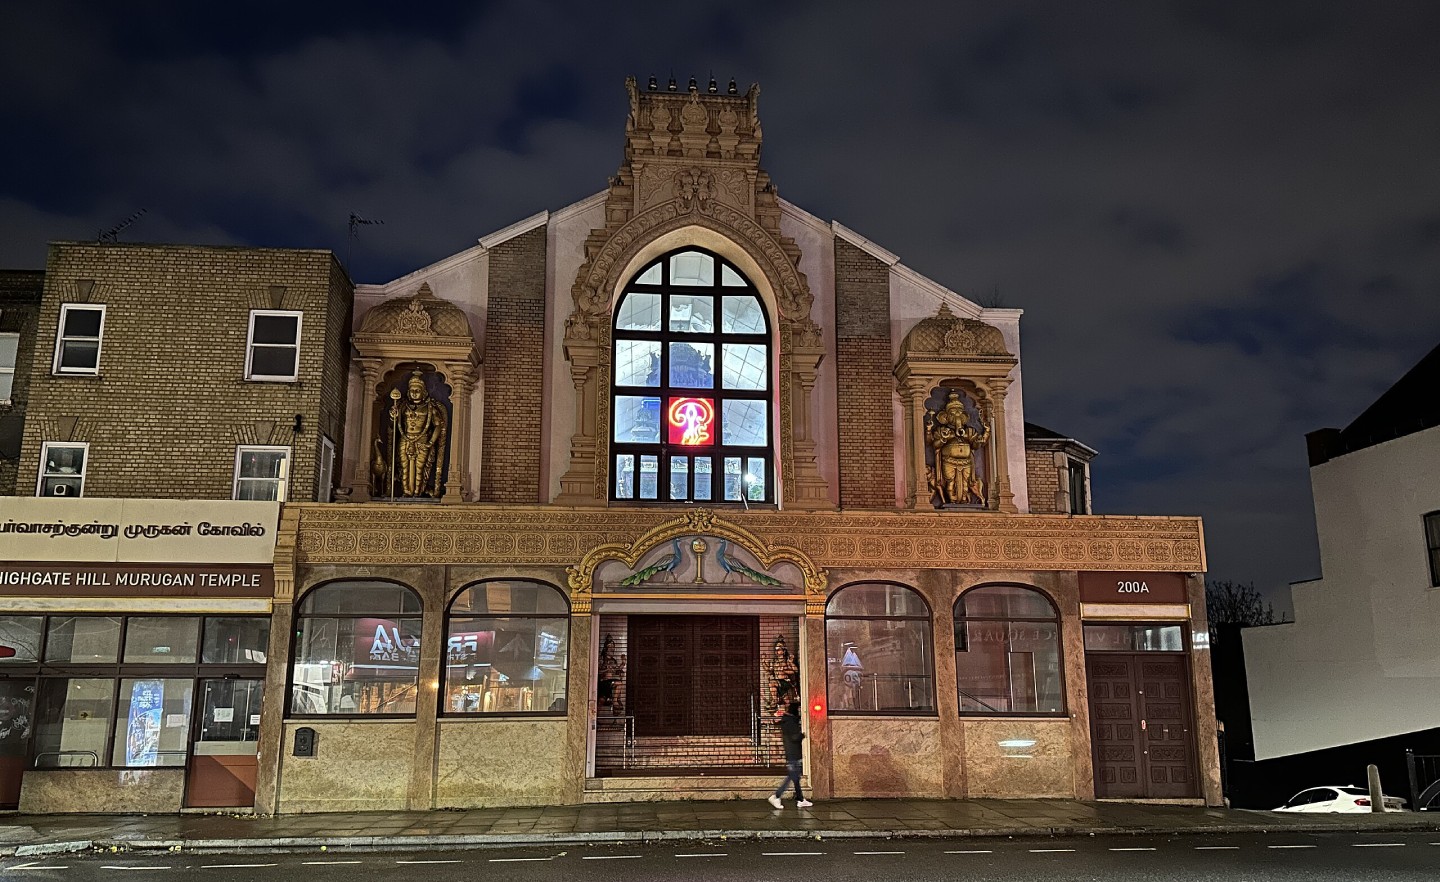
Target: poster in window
<point>142,729</point>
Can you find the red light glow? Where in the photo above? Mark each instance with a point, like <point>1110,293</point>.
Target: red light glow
<point>692,421</point>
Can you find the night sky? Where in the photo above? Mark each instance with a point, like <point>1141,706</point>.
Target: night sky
<point>1222,220</point>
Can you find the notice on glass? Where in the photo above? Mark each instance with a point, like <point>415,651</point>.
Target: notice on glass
<point>224,714</point>
<point>254,719</point>
<point>174,721</point>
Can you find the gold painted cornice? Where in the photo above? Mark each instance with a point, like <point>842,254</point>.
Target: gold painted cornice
<point>377,534</point>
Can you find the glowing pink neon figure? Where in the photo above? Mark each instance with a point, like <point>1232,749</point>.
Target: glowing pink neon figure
<point>691,420</point>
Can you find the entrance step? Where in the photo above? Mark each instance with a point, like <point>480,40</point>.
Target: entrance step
<point>657,789</point>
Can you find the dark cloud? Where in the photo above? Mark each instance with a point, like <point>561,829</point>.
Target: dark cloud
<point>1220,217</point>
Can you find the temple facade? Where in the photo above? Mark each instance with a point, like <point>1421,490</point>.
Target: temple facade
<point>614,487</point>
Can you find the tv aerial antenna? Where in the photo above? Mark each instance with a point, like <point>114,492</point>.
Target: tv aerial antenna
<point>356,222</point>
<point>112,235</point>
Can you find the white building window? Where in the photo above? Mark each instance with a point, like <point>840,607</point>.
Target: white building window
<point>262,472</point>
<point>324,481</point>
<point>77,341</point>
<point>273,350</point>
<point>9,350</point>
<point>62,469</point>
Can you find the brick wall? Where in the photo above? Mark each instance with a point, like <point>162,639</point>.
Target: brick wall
<point>866,382</point>
<point>19,312</point>
<point>1043,480</point>
<point>171,402</point>
<point>514,356</point>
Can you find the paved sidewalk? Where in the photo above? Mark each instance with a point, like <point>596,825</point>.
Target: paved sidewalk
<point>656,821</point>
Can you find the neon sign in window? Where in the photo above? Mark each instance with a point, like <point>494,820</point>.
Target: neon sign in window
<point>692,421</point>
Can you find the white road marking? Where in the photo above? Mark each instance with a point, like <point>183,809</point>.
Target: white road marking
<point>35,866</point>
<point>1378,844</point>
<point>518,860</point>
<point>1048,850</point>
<point>234,866</point>
<point>429,862</point>
<point>711,854</point>
<point>328,863</point>
<point>879,852</point>
<point>791,853</point>
<point>611,857</point>
<point>972,851</point>
<point>1289,846</point>
<point>1132,849</point>
<point>133,868</point>
<point>1217,848</point>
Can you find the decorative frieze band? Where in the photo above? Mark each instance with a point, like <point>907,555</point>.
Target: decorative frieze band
<point>378,534</point>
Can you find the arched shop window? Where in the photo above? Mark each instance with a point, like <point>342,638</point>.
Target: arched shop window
<point>1007,652</point>
<point>681,429</point>
<point>879,655</point>
<point>507,649</point>
<point>357,650</point>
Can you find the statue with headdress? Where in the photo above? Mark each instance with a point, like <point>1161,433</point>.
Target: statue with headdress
<point>419,426</point>
<point>954,477</point>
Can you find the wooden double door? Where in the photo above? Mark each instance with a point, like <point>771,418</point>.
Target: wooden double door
<point>1140,725</point>
<point>693,675</point>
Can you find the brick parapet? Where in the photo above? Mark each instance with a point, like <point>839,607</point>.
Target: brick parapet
<point>865,381</point>
<point>514,370</point>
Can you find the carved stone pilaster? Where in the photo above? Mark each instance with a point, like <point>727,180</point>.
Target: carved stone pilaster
<point>578,486</point>
<point>912,396</point>
<point>462,390</point>
<point>808,489</point>
<point>370,370</point>
<point>1003,492</point>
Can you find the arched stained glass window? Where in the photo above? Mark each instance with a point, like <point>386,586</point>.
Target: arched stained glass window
<point>691,399</point>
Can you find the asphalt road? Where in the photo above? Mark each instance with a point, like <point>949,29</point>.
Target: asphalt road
<point>1253,858</point>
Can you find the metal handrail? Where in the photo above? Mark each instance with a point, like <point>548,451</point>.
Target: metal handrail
<point>58,754</point>
<point>980,701</point>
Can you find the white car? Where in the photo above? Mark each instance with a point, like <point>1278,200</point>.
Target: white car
<point>1337,799</point>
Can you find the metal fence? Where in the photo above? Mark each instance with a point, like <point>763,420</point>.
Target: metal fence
<point>1424,772</point>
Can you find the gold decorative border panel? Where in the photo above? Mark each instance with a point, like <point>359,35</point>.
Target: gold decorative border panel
<point>383,534</point>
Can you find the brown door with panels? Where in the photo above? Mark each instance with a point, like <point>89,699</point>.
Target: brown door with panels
<point>1140,725</point>
<point>692,675</point>
<point>1115,726</point>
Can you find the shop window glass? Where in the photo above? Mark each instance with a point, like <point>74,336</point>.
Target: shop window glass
<point>666,337</point>
<point>1007,652</point>
<point>507,649</point>
<point>83,640</point>
<point>879,651</point>
<point>20,639</point>
<point>163,640</point>
<point>72,722</point>
<point>235,640</point>
<point>357,650</point>
<point>16,715</point>
<point>152,722</point>
<point>1134,638</point>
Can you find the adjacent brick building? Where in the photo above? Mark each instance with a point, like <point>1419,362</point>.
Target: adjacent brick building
<point>175,361</point>
<point>19,311</point>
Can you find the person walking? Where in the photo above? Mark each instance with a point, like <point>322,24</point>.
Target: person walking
<point>791,735</point>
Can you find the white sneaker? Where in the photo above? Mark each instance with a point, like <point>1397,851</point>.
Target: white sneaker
<point>775,801</point>
<point>804,803</point>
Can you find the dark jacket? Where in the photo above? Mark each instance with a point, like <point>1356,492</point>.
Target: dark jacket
<point>792,736</point>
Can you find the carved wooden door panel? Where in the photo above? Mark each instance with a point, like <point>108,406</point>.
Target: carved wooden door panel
<point>658,684</point>
<point>1115,726</point>
<point>1165,708</point>
<point>727,681</point>
<point>693,675</point>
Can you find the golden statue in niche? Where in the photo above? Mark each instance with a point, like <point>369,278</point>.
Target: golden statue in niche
<point>954,476</point>
<point>418,429</point>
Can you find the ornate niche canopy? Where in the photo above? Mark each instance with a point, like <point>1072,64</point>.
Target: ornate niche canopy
<point>418,366</point>
<point>953,374</point>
